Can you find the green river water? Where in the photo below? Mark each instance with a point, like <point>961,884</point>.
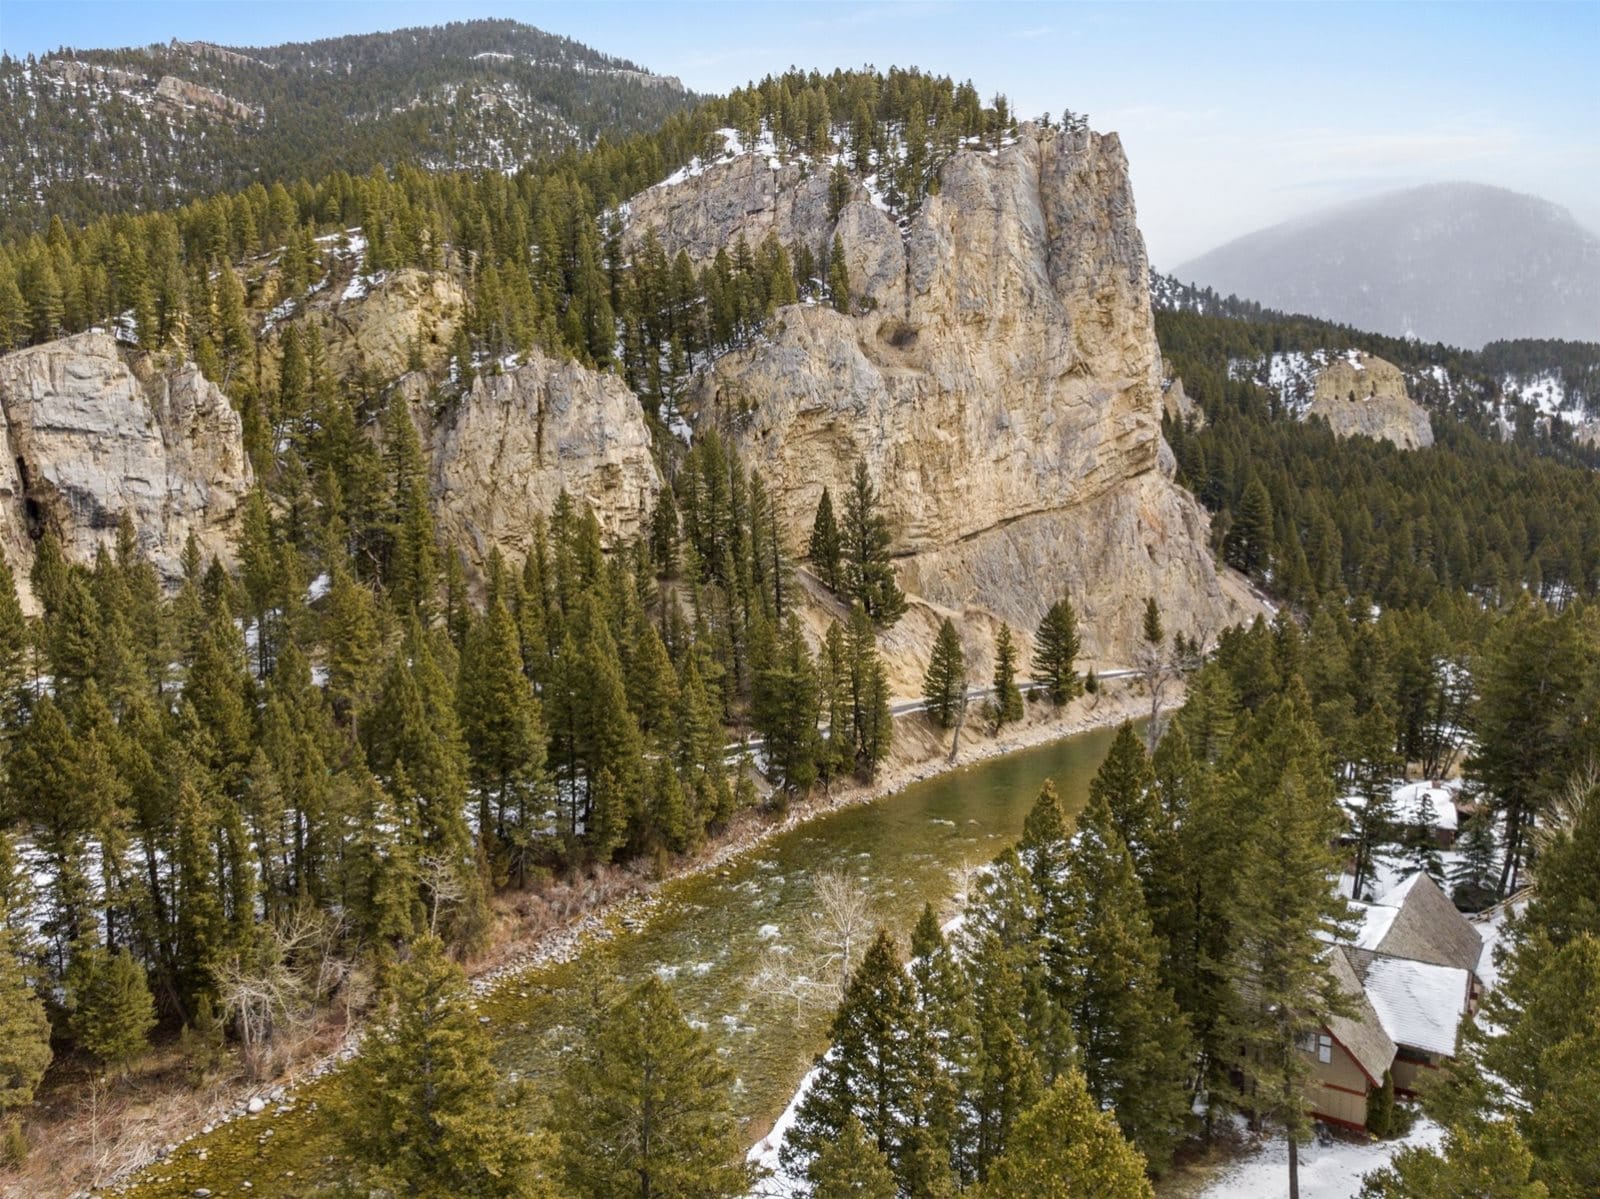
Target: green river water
<point>707,935</point>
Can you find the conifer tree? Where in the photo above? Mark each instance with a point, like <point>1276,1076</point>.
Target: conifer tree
<point>944,685</point>
<point>949,1024</point>
<point>1055,651</point>
<point>503,727</point>
<point>1283,911</point>
<point>24,1028</point>
<point>112,1011</point>
<point>420,1108</point>
<point>1064,1147</point>
<point>838,276</point>
<point>642,1109</point>
<point>1125,784</point>
<point>1133,1043</point>
<point>872,1073</point>
<point>784,709</point>
<point>1012,1009</point>
<point>871,718</point>
<point>868,572</point>
<point>826,547</point>
<point>1007,698</point>
<point>851,1167</point>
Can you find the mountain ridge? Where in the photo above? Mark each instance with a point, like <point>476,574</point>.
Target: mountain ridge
<point>1462,263</point>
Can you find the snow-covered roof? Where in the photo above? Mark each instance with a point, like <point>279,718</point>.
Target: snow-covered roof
<point>1375,920</point>
<point>1425,926</point>
<point>1419,1004</point>
<point>1436,806</point>
<point>1359,1029</point>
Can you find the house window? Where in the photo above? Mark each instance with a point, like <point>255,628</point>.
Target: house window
<point>1320,1044</point>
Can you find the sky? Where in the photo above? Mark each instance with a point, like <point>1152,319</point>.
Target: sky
<point>1234,115</point>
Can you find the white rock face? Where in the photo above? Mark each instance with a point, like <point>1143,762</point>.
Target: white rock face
<point>1002,381</point>
<point>87,439</point>
<point>1360,395</point>
<point>517,440</point>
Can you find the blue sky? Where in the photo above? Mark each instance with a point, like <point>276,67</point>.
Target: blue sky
<point>1233,115</point>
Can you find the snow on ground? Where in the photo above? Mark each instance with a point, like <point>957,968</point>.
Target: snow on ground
<point>1544,391</point>
<point>780,1184</point>
<point>1291,375</point>
<point>1327,1171</point>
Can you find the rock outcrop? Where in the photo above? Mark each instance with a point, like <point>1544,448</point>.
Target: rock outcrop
<point>1363,396</point>
<point>510,446</point>
<point>88,436</point>
<point>374,331</point>
<point>182,96</point>
<point>1000,377</point>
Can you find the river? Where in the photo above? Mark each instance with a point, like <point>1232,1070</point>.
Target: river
<point>709,935</point>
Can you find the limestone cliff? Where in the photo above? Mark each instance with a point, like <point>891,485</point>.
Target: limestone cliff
<point>1360,395</point>
<point>88,435</point>
<point>1000,376</point>
<point>504,452</point>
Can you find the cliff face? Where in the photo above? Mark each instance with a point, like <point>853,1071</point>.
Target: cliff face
<point>513,443</point>
<point>87,436</point>
<point>1000,377</point>
<point>1363,396</point>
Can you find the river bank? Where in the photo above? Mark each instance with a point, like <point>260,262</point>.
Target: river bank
<point>619,903</point>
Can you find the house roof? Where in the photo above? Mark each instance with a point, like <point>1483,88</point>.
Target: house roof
<point>1375,921</point>
<point>1419,1005</point>
<point>1426,927</point>
<point>1361,1031</point>
<point>1436,806</point>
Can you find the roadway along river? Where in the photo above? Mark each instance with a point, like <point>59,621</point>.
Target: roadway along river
<point>709,935</point>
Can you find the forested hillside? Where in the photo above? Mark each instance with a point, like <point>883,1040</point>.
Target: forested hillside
<point>92,131</point>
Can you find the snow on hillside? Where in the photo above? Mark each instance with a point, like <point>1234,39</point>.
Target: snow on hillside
<point>1545,391</point>
<point>1290,375</point>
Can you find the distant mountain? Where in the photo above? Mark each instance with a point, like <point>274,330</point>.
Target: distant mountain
<point>1460,263</point>
<point>83,132</point>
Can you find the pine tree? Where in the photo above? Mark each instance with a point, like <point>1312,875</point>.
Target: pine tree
<point>872,1073</point>
<point>944,685</point>
<point>784,710</point>
<point>1055,651</point>
<point>851,1167</point>
<point>420,1108</point>
<point>1283,910</point>
<point>1012,1011</point>
<point>1007,698</point>
<point>948,1022</point>
<point>838,276</point>
<point>868,572</point>
<point>1064,1147</point>
<point>1133,1043</point>
<point>826,548</point>
<point>1250,539</point>
<point>1125,784</point>
<point>643,1109</point>
<point>112,1010</point>
<point>24,1028</point>
<point>1488,1161</point>
<point>503,728</point>
<point>871,717</point>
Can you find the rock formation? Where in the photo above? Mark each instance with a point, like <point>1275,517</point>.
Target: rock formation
<point>1363,396</point>
<point>512,444</point>
<point>375,331</point>
<point>180,95</point>
<point>87,436</point>
<point>1000,377</point>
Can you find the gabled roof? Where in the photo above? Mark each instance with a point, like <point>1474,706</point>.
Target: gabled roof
<point>1420,1005</point>
<point>1436,806</point>
<point>1361,1032</point>
<point>1427,927</point>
